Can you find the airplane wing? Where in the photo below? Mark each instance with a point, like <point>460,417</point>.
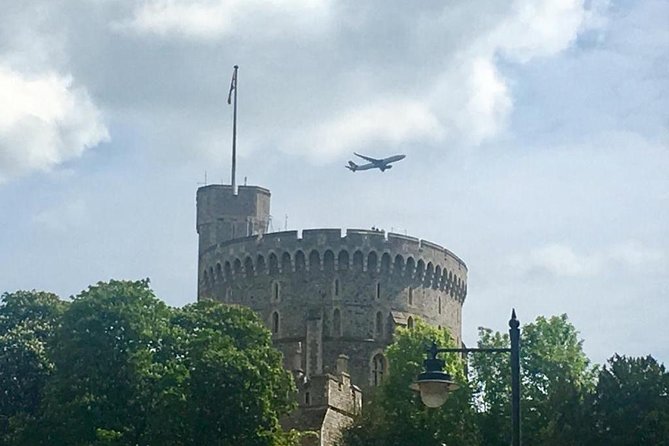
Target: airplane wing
<point>371,160</point>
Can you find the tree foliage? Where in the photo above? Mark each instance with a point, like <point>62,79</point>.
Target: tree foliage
<point>28,320</point>
<point>631,403</point>
<point>396,416</point>
<point>118,367</point>
<point>565,400</point>
<point>556,376</point>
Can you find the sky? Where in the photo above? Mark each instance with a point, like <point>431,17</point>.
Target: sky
<point>536,135</point>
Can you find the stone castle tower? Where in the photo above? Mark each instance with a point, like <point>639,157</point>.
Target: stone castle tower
<point>331,301</point>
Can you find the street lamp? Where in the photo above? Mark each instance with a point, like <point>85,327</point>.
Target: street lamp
<point>434,383</point>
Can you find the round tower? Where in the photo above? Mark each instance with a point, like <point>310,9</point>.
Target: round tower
<point>326,294</point>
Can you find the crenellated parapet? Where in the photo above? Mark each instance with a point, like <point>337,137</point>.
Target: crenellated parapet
<point>410,259</point>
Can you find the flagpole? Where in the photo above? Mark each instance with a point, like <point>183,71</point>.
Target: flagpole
<point>234,132</point>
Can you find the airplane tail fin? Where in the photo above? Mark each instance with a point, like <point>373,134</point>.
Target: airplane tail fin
<point>352,166</point>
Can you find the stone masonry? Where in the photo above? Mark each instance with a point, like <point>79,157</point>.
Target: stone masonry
<point>324,294</point>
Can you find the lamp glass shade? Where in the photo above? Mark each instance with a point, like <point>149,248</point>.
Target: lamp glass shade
<point>435,393</point>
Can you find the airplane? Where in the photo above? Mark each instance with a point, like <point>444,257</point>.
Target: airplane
<point>381,164</point>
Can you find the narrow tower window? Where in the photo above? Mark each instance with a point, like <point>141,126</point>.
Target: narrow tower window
<point>276,291</point>
<point>336,287</point>
<point>439,304</point>
<point>275,322</point>
<point>336,322</point>
<point>379,324</point>
<point>378,290</point>
<point>410,296</point>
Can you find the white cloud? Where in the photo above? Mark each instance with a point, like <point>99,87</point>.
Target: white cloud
<point>212,19</point>
<point>44,121</point>
<point>563,261</point>
<point>635,255</point>
<point>389,122</point>
<point>64,217</point>
<point>539,28</point>
<point>464,96</point>
<point>487,104</point>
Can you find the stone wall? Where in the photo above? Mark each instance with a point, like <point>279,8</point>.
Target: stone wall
<point>355,288</point>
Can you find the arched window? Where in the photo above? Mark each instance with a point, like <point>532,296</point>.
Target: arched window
<point>336,287</point>
<point>378,290</point>
<point>260,264</point>
<point>410,268</point>
<point>420,270</point>
<point>399,264</point>
<point>328,260</point>
<point>336,323</point>
<point>237,266</point>
<point>275,323</point>
<point>273,264</point>
<point>357,260</point>
<point>378,369</point>
<point>379,324</point>
<point>248,267</point>
<point>410,323</point>
<point>372,261</point>
<point>437,277</point>
<point>211,274</point>
<point>343,259</point>
<point>227,270</point>
<point>286,266</point>
<point>300,263</point>
<point>444,280</point>
<point>429,272</point>
<point>314,261</point>
<point>385,263</point>
<point>219,272</point>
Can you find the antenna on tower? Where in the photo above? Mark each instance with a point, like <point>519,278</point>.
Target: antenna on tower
<point>205,179</point>
<point>233,87</point>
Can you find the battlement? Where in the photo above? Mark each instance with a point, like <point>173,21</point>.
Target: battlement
<point>327,250</point>
<point>331,237</point>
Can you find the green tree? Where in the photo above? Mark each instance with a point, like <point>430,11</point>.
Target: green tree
<point>28,320</point>
<point>556,378</point>
<point>128,370</point>
<point>631,403</point>
<point>235,388</point>
<point>396,416</point>
<point>104,354</point>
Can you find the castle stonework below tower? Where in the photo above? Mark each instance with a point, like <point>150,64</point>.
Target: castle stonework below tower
<point>324,295</point>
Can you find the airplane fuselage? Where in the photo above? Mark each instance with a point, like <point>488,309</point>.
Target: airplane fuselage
<point>381,164</point>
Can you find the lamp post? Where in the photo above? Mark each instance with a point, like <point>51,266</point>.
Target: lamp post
<point>434,383</point>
